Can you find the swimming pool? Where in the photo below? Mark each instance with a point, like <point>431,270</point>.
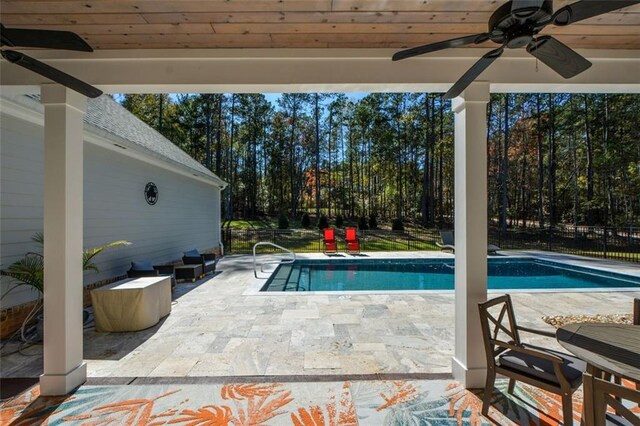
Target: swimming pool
<point>437,274</point>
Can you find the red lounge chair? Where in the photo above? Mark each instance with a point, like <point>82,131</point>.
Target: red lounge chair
<point>329,241</point>
<point>351,238</point>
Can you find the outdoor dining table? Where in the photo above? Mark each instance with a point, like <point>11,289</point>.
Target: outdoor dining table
<point>606,348</point>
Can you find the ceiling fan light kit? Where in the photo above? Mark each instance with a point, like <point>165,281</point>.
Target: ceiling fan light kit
<point>515,25</point>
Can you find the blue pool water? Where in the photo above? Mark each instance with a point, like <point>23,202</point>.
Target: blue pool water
<point>437,274</point>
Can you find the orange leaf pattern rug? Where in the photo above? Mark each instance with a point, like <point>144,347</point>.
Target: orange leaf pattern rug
<point>432,402</point>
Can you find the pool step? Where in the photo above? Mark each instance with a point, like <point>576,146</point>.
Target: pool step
<point>293,284</point>
<point>279,281</point>
<point>305,278</point>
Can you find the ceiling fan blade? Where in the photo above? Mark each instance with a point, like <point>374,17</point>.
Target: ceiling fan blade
<point>558,56</point>
<point>433,47</point>
<point>586,9</point>
<point>51,73</point>
<point>473,73</point>
<point>525,8</point>
<point>48,39</point>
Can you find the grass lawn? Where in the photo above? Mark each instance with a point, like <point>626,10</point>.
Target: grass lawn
<point>310,242</point>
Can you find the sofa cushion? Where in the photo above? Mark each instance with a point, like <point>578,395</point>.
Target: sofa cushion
<point>572,367</point>
<point>144,265</point>
<point>192,253</point>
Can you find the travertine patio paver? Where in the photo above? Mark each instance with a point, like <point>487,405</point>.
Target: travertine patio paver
<point>221,326</point>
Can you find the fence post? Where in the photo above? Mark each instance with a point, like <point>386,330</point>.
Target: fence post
<point>604,242</point>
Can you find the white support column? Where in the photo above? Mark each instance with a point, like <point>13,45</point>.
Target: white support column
<point>64,368</point>
<point>469,364</point>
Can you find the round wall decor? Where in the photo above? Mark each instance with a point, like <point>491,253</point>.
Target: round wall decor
<point>151,193</point>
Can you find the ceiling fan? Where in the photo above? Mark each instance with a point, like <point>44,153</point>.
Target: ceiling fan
<point>48,39</point>
<point>516,24</point>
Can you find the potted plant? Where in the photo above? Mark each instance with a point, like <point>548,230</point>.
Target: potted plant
<point>29,272</point>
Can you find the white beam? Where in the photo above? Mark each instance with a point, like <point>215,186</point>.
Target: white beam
<point>325,70</point>
<point>469,364</point>
<point>64,368</point>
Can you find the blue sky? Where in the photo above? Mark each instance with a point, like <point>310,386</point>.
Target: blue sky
<point>273,97</point>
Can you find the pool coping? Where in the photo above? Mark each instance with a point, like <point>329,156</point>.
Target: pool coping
<point>254,288</point>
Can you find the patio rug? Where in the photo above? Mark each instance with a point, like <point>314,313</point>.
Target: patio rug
<point>425,402</point>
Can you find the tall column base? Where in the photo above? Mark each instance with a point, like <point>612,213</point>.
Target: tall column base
<point>62,384</point>
<point>470,378</point>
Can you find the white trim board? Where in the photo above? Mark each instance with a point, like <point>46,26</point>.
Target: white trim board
<point>323,70</point>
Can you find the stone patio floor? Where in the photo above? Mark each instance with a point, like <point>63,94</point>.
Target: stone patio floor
<point>222,327</point>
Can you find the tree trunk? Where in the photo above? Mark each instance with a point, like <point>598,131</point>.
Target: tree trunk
<point>611,198</point>
<point>330,162</point>
<point>504,198</point>
<point>399,201</point>
<point>351,178</point>
<point>552,163</point>
<point>292,162</point>
<point>524,190</point>
<point>540,165</point>
<point>317,165</point>
<point>256,123</point>
<point>432,144</point>
<point>208,131</point>
<point>219,137</point>
<point>232,162</point>
<point>441,169</point>
<point>574,160</point>
<point>425,174</point>
<point>588,142</point>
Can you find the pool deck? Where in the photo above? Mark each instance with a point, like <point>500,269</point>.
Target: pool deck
<point>221,327</point>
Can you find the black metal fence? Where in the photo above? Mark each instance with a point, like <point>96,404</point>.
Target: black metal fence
<point>607,243</point>
<point>622,243</point>
<point>310,241</point>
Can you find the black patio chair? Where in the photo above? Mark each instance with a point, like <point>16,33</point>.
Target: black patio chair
<point>207,260</point>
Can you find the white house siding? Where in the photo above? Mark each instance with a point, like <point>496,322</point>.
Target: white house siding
<point>186,215</point>
<point>21,199</point>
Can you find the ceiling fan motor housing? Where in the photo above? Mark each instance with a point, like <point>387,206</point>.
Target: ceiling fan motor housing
<point>516,29</point>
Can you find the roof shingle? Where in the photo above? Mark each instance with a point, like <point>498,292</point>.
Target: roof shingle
<point>108,118</point>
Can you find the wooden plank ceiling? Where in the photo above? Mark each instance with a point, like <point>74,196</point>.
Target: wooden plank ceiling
<point>149,24</point>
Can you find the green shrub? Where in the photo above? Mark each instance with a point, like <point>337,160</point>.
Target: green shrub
<point>29,271</point>
<point>362,223</point>
<point>339,221</point>
<point>323,222</point>
<point>397,224</point>
<point>373,221</point>
<point>283,221</point>
<point>306,222</point>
